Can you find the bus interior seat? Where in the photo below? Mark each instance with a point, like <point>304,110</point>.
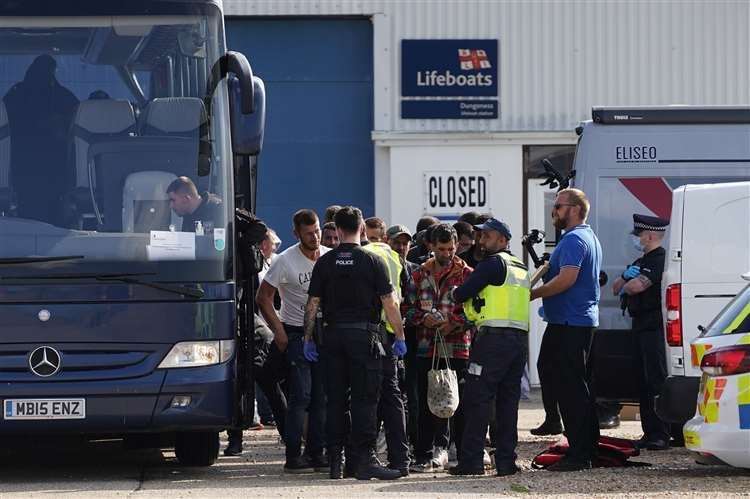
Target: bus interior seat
<point>7,203</point>
<point>180,118</point>
<point>145,203</point>
<point>96,120</point>
<point>174,116</point>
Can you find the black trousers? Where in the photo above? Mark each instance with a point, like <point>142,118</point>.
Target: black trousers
<point>651,366</point>
<point>354,379</point>
<point>545,368</point>
<point>267,378</point>
<point>498,357</point>
<point>391,410</point>
<point>570,347</point>
<point>435,431</point>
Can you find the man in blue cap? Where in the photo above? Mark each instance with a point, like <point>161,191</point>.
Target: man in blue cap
<point>496,299</point>
<point>640,290</point>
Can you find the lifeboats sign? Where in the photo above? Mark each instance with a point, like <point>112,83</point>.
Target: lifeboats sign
<point>449,79</point>
<point>452,193</point>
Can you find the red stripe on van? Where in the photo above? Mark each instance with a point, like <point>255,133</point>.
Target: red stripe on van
<point>653,192</point>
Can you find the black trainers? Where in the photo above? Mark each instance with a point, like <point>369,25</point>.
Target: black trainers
<point>234,448</point>
<point>403,470</point>
<point>547,428</point>
<point>319,462</point>
<point>609,422</point>
<point>298,465</point>
<point>507,470</point>
<point>657,444</point>
<point>371,468</point>
<point>567,464</point>
<point>461,470</point>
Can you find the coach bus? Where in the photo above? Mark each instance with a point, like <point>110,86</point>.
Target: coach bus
<point>119,122</point>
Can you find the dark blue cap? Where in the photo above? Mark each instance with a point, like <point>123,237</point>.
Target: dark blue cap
<point>647,222</point>
<point>495,224</point>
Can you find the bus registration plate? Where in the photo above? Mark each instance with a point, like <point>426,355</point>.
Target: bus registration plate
<point>44,409</point>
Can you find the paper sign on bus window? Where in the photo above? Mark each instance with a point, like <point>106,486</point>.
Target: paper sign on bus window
<point>166,245</point>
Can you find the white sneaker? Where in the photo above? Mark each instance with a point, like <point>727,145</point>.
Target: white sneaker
<point>487,460</point>
<point>439,459</point>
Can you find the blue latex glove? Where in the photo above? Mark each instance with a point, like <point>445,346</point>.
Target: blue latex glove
<point>632,272</point>
<point>541,312</point>
<point>399,348</point>
<point>310,351</point>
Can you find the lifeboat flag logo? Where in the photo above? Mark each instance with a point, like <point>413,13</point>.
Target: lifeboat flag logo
<point>473,59</point>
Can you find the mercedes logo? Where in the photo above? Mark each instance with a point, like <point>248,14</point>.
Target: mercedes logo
<point>44,361</point>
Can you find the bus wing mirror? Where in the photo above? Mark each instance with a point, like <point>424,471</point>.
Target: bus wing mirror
<point>237,64</point>
<point>247,129</point>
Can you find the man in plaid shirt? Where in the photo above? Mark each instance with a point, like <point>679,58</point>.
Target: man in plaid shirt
<point>432,310</point>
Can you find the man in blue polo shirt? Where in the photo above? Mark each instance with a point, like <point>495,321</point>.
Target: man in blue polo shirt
<point>570,296</point>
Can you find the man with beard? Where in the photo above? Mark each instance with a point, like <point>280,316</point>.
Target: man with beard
<point>290,275</point>
<point>474,254</point>
<point>496,299</point>
<point>435,312</point>
<point>330,237</point>
<point>570,295</point>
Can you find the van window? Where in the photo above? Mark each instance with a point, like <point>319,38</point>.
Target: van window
<point>734,319</point>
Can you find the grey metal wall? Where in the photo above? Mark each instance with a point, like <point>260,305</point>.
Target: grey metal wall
<point>558,58</point>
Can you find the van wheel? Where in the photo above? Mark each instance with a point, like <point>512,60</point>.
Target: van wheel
<point>197,448</point>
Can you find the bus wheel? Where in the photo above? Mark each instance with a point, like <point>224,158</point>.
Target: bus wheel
<point>197,448</point>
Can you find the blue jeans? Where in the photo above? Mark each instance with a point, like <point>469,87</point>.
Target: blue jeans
<point>306,396</point>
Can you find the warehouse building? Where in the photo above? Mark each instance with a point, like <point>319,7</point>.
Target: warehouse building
<point>438,107</point>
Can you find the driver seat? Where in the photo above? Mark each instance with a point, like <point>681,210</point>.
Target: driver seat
<point>145,203</point>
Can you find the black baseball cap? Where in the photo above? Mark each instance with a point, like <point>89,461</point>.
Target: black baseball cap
<point>496,225</point>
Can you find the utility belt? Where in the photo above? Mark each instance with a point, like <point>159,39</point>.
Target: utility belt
<point>367,326</point>
<point>375,330</point>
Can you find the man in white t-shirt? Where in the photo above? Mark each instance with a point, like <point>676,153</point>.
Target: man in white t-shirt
<point>289,274</point>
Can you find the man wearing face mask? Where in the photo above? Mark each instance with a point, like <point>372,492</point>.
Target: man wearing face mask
<point>640,290</point>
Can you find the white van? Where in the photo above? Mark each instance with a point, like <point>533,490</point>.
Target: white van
<point>707,253</point>
<point>629,160</point>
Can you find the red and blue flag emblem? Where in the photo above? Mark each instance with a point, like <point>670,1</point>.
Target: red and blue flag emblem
<point>473,59</point>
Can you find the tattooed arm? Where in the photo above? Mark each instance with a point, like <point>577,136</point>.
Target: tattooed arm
<point>311,311</point>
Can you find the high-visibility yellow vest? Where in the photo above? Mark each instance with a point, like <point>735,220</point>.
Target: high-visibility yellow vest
<point>506,305</point>
<point>393,264</point>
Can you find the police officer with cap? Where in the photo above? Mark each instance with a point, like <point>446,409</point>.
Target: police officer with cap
<point>496,298</point>
<point>640,290</point>
<point>352,287</point>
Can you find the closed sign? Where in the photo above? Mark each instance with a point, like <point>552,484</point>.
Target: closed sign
<point>456,192</point>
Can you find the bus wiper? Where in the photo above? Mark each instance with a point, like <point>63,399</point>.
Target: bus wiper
<point>38,259</point>
<point>180,290</point>
<point>126,278</point>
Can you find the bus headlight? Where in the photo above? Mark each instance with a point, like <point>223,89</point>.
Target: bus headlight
<point>198,353</point>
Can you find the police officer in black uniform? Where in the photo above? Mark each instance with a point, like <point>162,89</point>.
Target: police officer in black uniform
<point>639,288</point>
<point>352,287</point>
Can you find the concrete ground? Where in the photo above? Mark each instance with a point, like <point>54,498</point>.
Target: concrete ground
<point>104,469</point>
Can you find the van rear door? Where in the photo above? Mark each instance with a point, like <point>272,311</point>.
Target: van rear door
<point>715,253</point>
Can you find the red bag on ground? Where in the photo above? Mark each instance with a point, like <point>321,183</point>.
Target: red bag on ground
<point>612,452</point>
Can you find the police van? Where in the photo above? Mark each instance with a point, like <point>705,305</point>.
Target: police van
<point>630,160</point>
